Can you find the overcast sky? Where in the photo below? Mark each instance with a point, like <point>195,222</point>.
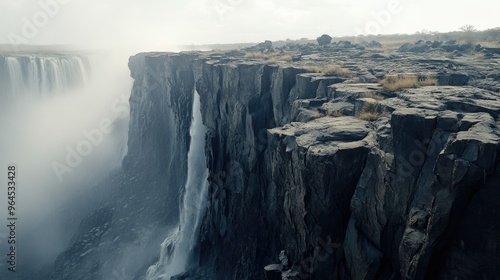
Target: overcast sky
<point>172,22</point>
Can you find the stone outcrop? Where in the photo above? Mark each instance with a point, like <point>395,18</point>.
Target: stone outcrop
<point>324,40</point>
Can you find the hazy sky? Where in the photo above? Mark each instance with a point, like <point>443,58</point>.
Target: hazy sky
<point>171,22</point>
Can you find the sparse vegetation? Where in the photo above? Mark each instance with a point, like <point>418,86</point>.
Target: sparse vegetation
<point>328,69</point>
<point>275,60</point>
<point>489,37</point>
<point>428,81</point>
<point>394,83</point>
<point>259,55</point>
<point>369,112</point>
<point>271,57</point>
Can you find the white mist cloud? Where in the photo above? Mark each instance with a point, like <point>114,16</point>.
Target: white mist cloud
<point>159,23</point>
<point>39,132</point>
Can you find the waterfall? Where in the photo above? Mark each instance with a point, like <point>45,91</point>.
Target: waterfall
<point>177,248</point>
<point>16,75</point>
<point>43,75</point>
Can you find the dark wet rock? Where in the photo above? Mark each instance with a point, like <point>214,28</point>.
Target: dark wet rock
<point>273,271</point>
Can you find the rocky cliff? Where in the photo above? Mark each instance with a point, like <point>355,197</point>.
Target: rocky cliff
<point>295,167</point>
<point>320,170</point>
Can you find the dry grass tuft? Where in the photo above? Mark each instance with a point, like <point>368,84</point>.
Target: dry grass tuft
<point>394,83</point>
<point>369,112</point>
<point>286,58</point>
<point>260,55</point>
<point>275,60</point>
<point>369,116</point>
<point>428,81</point>
<point>328,69</point>
<point>271,58</point>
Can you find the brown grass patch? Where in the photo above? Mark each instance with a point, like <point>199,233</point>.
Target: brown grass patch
<point>428,81</point>
<point>275,60</point>
<point>368,116</point>
<point>394,83</point>
<point>271,58</point>
<point>328,69</point>
<point>260,55</point>
<point>369,112</point>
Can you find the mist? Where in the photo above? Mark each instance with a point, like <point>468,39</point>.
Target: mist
<point>156,24</point>
<point>63,144</point>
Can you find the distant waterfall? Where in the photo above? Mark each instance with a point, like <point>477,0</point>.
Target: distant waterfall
<point>177,249</point>
<point>42,75</point>
<point>15,73</point>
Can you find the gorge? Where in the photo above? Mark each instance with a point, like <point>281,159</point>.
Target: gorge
<point>308,173</point>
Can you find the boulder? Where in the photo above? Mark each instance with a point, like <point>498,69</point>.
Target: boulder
<point>324,40</point>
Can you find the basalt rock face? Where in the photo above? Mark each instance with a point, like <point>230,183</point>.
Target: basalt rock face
<point>346,198</point>
<point>237,118</point>
<point>296,165</point>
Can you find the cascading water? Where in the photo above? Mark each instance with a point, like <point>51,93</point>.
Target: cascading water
<point>42,75</point>
<point>16,74</point>
<point>177,248</point>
